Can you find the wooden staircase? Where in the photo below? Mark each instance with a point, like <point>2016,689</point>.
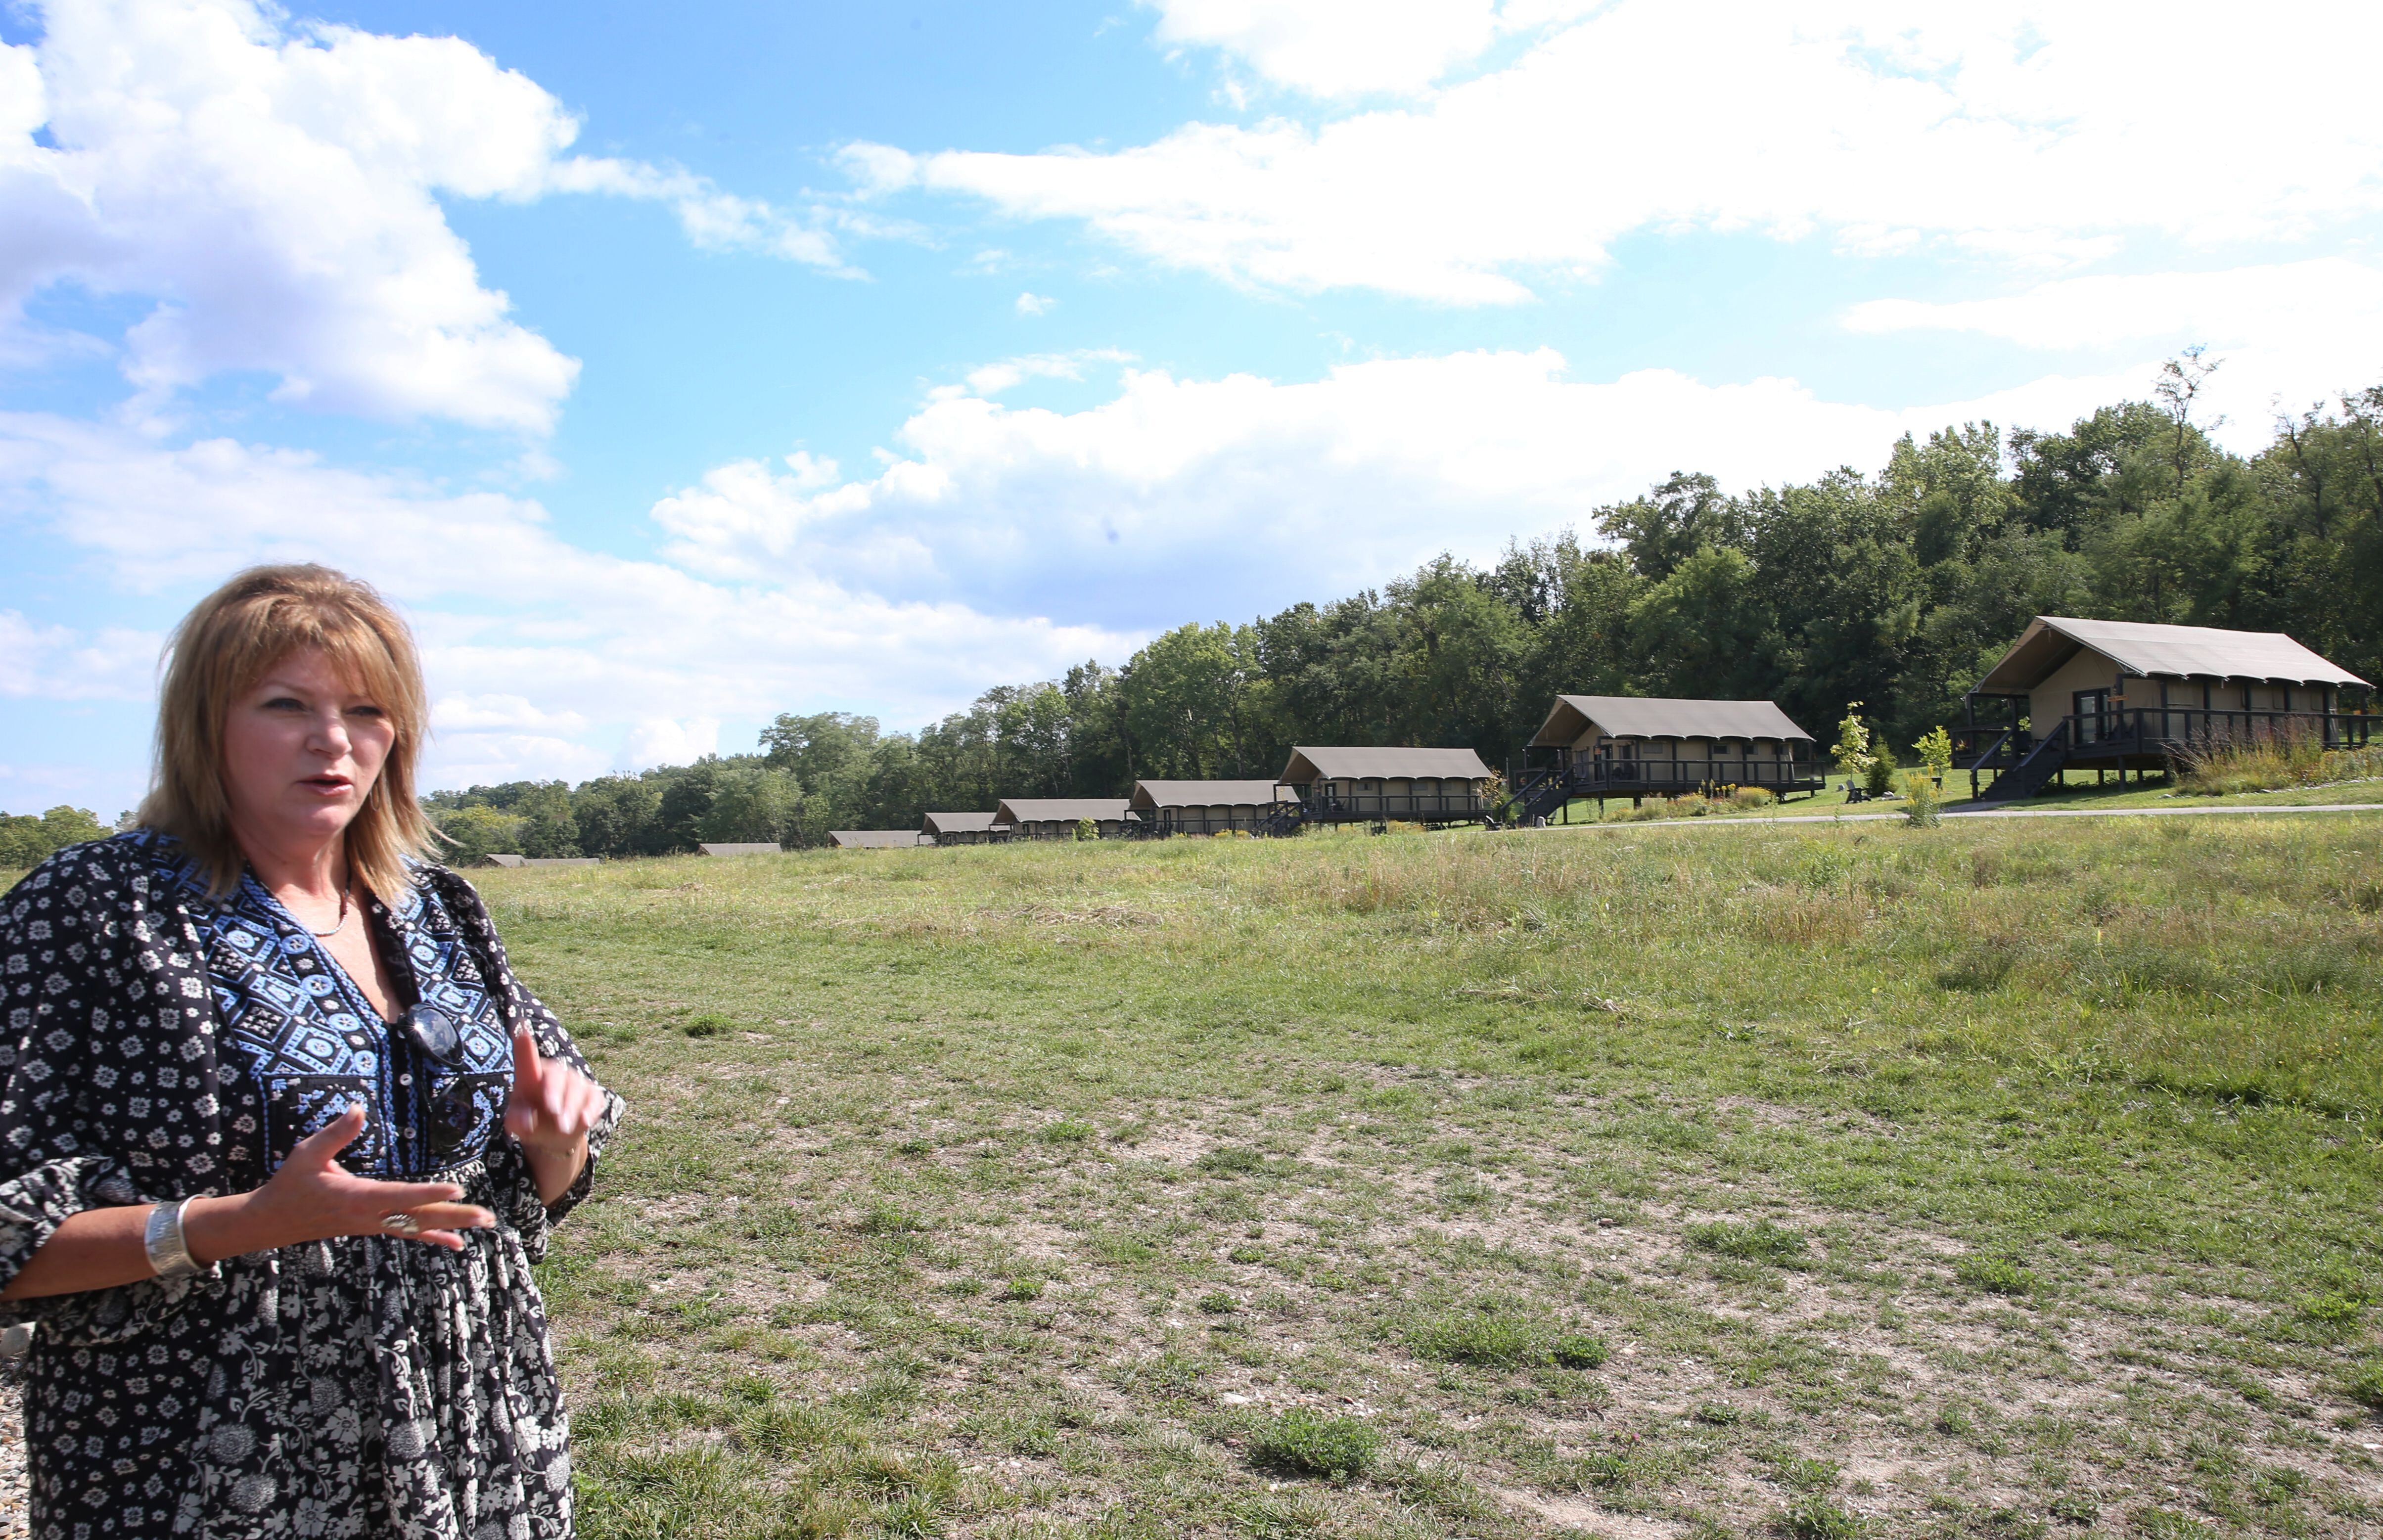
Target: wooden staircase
<point>2031,774</point>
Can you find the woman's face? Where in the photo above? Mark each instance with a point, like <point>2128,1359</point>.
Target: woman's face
<point>301,750</point>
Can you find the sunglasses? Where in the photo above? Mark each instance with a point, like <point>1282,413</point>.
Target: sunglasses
<point>453,1117</point>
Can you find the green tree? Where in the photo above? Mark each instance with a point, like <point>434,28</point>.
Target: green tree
<point>752,804</point>
<point>1684,514</point>
<point>476,831</point>
<point>27,841</point>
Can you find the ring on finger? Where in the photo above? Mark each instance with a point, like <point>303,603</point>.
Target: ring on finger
<point>400,1223</point>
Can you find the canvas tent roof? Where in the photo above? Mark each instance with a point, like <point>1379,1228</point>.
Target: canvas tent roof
<point>1151,795</point>
<point>1645,717</point>
<point>961,823</point>
<point>1310,765</point>
<point>2178,651</point>
<point>733,847</point>
<point>873,839</point>
<point>496,860</point>
<point>1062,809</point>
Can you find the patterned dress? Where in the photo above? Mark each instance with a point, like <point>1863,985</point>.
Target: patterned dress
<point>159,1044</point>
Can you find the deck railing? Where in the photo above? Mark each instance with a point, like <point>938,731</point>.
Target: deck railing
<point>1597,775</point>
<point>2174,730</point>
<point>1201,820</point>
<point>1325,806</point>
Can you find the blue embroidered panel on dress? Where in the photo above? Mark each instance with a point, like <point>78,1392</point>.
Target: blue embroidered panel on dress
<point>299,1027</point>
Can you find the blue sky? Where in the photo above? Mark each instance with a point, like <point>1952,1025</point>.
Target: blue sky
<point>673,367</point>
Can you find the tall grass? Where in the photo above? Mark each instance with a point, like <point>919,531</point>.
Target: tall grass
<point>2272,762</point>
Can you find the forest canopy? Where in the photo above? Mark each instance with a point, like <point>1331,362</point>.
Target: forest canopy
<point>1895,589</point>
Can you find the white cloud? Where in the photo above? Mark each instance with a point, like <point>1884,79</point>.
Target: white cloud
<point>1181,498</point>
<point>538,650</point>
<point>666,740</point>
<point>2034,134</point>
<point>2272,304</point>
<point>2290,332</point>
<point>1351,47</point>
<point>483,713</point>
<point>1031,303</point>
<point>54,662</point>
<point>275,190</point>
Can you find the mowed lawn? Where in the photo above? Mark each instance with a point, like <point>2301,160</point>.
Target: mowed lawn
<point>1995,1180</point>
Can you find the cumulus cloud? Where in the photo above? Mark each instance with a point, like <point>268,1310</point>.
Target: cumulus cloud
<point>273,190</point>
<point>539,652</point>
<point>54,662</point>
<point>1194,498</point>
<point>1031,303</point>
<point>667,741</point>
<point>2036,134</point>
<point>1335,48</point>
<point>2270,304</point>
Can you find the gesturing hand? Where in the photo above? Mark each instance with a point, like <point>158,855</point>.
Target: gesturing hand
<point>550,1110</point>
<point>311,1197</point>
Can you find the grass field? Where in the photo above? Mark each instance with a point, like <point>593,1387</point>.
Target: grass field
<point>2002,1180</point>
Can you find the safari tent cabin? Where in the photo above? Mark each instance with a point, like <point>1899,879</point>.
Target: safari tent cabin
<point>2129,695</point>
<point>493,859</point>
<point>964,828</point>
<point>734,847</point>
<point>1374,785</point>
<point>1207,806</point>
<point>1636,747</point>
<point>1055,817</point>
<point>873,839</point>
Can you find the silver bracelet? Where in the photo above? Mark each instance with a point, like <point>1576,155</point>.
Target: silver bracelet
<point>162,1238</point>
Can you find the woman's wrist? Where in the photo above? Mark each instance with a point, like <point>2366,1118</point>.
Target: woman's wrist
<point>554,1166</point>
<point>215,1229</point>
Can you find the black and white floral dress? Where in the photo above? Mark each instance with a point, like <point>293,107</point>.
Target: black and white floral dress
<point>160,1044</point>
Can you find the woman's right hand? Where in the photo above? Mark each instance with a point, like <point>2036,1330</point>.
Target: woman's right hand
<point>311,1197</point>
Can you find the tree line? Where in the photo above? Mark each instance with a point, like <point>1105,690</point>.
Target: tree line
<point>1895,589</point>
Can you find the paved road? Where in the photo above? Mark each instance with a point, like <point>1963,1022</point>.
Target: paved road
<point>1984,813</point>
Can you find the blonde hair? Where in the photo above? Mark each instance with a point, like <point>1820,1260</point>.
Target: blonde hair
<point>226,643</point>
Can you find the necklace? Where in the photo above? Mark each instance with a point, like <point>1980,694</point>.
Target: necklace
<point>327,935</point>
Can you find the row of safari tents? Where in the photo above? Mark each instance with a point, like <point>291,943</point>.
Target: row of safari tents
<point>2070,693</point>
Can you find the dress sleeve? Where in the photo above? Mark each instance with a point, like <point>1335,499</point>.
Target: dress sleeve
<point>533,1218</point>
<point>70,975</point>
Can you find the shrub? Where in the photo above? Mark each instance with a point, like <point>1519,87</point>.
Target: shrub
<point>1935,751</point>
<point>1752,797</point>
<point>1087,830</point>
<point>1924,806</point>
<point>2271,761</point>
<point>1307,1443</point>
<point>1878,776</point>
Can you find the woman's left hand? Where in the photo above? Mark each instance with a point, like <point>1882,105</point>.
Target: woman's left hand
<point>550,1110</point>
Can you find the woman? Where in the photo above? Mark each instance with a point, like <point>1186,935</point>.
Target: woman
<point>280,1132</point>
